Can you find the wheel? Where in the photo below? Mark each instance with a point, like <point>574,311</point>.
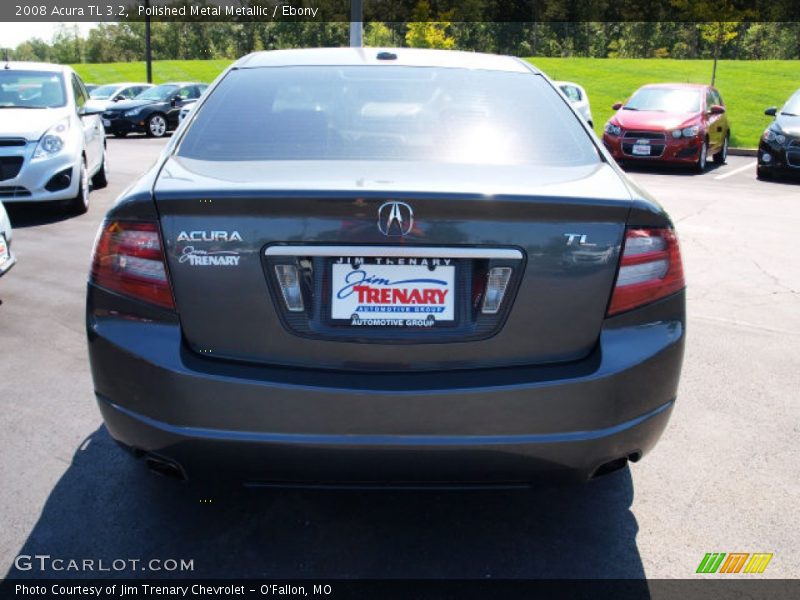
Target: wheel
<point>100,179</point>
<point>120,134</point>
<point>156,125</point>
<point>700,165</point>
<point>722,156</point>
<point>80,203</point>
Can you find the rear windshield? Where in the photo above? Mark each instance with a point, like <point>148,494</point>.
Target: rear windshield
<point>387,114</point>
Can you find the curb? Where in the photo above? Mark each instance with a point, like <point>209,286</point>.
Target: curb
<point>742,151</point>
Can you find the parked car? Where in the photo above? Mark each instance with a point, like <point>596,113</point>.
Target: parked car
<point>106,95</point>
<point>154,111</point>
<point>354,266</point>
<point>7,258</point>
<point>670,122</point>
<point>779,149</point>
<point>579,99</point>
<point>186,109</point>
<point>52,145</point>
<point>90,87</point>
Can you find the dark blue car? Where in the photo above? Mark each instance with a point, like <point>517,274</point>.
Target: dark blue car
<point>154,112</point>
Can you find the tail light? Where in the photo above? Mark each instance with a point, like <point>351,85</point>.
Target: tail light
<point>650,269</point>
<point>128,259</point>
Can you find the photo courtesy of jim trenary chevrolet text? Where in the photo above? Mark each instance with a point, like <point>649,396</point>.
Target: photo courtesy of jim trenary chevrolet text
<point>399,299</point>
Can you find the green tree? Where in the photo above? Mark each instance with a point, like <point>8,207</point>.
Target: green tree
<point>718,34</point>
<point>377,35</point>
<point>423,32</point>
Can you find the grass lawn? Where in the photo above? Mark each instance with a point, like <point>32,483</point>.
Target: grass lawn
<point>747,87</point>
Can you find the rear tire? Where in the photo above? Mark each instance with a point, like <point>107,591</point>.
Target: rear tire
<point>156,126</point>
<point>702,158</point>
<point>100,179</point>
<point>80,203</point>
<point>721,157</point>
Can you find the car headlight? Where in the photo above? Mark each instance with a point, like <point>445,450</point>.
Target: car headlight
<point>612,129</point>
<point>133,112</point>
<point>690,131</point>
<point>53,140</point>
<point>676,133</point>
<point>770,135</point>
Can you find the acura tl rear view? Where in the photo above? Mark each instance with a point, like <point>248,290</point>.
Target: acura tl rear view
<point>360,266</point>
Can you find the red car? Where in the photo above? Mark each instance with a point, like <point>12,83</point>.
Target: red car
<point>670,122</point>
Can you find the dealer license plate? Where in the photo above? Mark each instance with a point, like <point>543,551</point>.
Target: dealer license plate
<point>106,123</point>
<point>376,294</point>
<point>641,148</point>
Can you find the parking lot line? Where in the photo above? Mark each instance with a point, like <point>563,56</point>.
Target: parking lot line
<point>735,171</point>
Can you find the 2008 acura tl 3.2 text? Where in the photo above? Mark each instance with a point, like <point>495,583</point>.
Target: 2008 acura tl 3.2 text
<point>404,266</point>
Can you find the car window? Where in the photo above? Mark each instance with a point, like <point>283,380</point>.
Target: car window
<point>571,92</point>
<point>717,98</point>
<point>188,92</point>
<point>129,92</point>
<point>387,113</point>
<point>78,91</point>
<point>709,100</point>
<point>32,89</point>
<point>665,99</point>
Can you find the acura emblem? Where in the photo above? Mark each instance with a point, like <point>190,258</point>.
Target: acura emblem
<point>395,218</point>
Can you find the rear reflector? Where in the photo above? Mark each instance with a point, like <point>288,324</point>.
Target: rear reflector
<point>128,259</point>
<point>289,281</point>
<point>650,269</point>
<point>496,284</point>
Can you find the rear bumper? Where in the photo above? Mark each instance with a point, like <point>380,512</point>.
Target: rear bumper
<point>294,426</point>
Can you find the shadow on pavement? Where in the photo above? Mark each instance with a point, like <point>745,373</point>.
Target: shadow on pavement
<point>31,214</point>
<point>108,506</point>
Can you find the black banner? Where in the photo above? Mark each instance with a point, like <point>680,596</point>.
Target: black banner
<point>601,589</point>
<point>562,11</point>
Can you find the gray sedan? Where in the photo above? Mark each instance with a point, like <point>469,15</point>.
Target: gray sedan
<point>402,267</point>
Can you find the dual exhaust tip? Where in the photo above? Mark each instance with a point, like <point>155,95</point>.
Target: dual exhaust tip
<point>172,470</point>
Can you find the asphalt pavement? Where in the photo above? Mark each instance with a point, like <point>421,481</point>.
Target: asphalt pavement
<point>724,478</point>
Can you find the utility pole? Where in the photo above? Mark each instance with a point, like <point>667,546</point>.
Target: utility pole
<point>148,53</point>
<point>356,25</point>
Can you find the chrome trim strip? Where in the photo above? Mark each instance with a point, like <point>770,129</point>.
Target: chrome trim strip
<point>395,252</point>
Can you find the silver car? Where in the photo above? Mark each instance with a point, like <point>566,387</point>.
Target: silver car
<point>104,96</point>
<point>7,259</point>
<point>578,98</point>
<point>52,146</point>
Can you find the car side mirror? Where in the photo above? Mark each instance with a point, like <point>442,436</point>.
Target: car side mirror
<point>716,109</point>
<point>119,98</point>
<point>616,105</point>
<point>174,101</point>
<point>88,112</point>
<point>771,111</point>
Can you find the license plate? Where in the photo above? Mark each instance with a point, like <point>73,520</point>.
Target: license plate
<point>377,294</point>
<point>5,251</point>
<point>642,148</point>
<point>106,123</point>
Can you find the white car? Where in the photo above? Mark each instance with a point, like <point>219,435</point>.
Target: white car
<point>7,259</point>
<point>186,109</point>
<point>52,146</point>
<point>104,96</point>
<point>578,98</point>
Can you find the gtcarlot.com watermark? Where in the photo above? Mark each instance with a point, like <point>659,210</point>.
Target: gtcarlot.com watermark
<point>41,563</point>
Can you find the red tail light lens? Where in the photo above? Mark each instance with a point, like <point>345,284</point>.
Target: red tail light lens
<point>128,259</point>
<point>650,269</point>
